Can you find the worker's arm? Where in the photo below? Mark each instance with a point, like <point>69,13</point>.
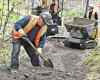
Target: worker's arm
<point>41,44</point>
<point>96,16</point>
<point>42,41</point>
<point>21,23</point>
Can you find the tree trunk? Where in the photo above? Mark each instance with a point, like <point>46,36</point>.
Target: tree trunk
<point>8,5</point>
<point>2,14</point>
<point>7,18</point>
<point>87,4</point>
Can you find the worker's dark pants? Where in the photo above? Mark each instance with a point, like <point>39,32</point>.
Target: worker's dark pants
<point>15,53</point>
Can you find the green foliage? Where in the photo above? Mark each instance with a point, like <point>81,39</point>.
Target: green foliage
<point>4,52</point>
<point>13,18</point>
<point>94,62</point>
<point>1,3</point>
<point>70,14</point>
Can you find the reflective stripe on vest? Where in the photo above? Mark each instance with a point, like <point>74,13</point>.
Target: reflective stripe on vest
<point>55,8</point>
<point>32,22</point>
<point>40,33</point>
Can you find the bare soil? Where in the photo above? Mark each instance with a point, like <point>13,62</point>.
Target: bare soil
<point>68,64</point>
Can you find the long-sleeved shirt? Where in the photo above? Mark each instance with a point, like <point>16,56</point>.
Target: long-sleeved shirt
<point>33,33</point>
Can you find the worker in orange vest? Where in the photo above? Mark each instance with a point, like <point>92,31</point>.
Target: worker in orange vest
<point>92,13</point>
<point>35,28</point>
<point>53,9</point>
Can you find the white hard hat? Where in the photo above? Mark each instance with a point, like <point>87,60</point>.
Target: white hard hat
<point>91,5</point>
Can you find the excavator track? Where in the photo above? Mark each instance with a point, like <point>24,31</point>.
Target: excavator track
<point>57,38</point>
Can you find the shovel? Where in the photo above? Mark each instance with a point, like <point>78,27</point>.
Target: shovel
<point>46,63</point>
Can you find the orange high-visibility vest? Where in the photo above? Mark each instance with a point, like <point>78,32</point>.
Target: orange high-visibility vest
<point>55,8</point>
<point>31,24</point>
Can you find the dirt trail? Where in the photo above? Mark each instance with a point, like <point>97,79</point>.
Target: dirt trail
<point>67,59</point>
<point>68,65</point>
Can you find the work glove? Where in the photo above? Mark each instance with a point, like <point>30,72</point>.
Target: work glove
<point>21,32</point>
<point>39,51</point>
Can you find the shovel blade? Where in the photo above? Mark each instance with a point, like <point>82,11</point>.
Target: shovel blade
<point>48,63</point>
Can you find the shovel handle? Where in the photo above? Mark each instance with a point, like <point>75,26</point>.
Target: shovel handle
<point>26,39</point>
